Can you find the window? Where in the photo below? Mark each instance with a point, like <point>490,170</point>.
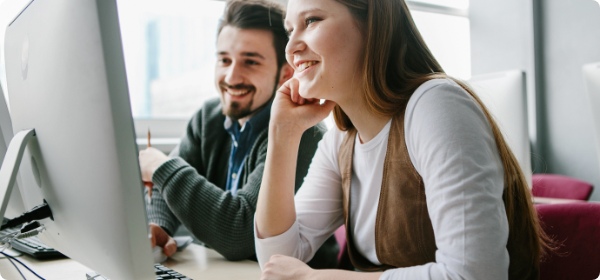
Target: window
<point>457,4</point>
<point>169,49</point>
<point>444,25</point>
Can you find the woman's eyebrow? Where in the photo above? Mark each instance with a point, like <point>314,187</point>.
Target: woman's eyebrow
<point>303,13</point>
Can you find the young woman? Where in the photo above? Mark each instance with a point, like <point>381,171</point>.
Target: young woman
<point>417,169</point>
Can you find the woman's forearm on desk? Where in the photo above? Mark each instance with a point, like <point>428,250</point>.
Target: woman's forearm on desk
<point>275,210</point>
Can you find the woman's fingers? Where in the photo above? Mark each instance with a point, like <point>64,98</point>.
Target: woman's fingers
<point>294,86</point>
<point>295,92</point>
<point>285,88</point>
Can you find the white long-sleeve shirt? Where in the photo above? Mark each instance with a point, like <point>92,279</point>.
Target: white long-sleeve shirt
<point>451,145</point>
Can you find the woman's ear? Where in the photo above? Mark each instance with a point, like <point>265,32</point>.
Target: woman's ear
<point>286,73</point>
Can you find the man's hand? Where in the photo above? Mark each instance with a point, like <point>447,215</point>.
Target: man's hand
<point>150,160</point>
<point>162,239</point>
<point>283,267</point>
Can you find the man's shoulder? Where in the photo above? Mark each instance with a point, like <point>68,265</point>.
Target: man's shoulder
<point>210,114</point>
<point>212,108</point>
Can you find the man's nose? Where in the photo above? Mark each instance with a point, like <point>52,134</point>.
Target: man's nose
<point>234,75</point>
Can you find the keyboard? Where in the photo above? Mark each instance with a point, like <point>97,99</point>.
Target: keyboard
<point>161,271</point>
<point>32,246</point>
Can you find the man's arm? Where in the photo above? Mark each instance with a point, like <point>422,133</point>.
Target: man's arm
<point>159,212</point>
<point>220,220</point>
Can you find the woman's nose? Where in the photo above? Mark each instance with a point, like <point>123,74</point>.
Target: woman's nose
<point>295,45</point>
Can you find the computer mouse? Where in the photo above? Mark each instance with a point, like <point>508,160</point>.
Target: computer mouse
<point>158,254</point>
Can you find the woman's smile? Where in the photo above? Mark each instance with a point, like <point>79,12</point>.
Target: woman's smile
<point>303,67</point>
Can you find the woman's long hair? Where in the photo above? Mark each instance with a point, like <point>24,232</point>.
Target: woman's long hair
<point>397,61</point>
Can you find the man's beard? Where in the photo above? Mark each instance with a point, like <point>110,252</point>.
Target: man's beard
<point>235,109</point>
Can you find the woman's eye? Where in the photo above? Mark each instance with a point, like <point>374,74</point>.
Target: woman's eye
<point>311,20</point>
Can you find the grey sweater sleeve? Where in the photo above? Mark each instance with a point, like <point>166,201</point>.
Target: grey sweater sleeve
<point>158,212</point>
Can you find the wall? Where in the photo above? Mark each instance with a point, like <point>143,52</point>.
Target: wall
<point>567,36</point>
<point>502,39</point>
<point>571,36</point>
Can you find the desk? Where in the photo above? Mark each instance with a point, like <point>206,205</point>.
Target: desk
<point>195,261</point>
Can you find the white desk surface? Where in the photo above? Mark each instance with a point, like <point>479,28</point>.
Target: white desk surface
<point>195,262</point>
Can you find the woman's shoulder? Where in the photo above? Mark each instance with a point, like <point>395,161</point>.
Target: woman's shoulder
<point>435,95</point>
<point>447,87</point>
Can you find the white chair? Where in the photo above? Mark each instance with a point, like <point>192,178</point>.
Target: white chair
<point>505,96</point>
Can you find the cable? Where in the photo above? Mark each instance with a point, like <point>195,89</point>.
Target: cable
<point>37,213</point>
<point>29,230</point>
<point>13,263</point>
<point>6,239</point>
<point>15,259</point>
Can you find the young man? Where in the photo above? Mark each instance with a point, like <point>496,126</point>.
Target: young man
<point>210,183</point>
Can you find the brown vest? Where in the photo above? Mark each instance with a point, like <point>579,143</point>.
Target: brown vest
<point>403,232</point>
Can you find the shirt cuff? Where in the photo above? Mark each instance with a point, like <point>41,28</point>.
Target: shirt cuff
<point>166,170</point>
<point>283,244</point>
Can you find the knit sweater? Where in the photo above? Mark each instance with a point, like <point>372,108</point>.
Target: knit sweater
<point>189,188</point>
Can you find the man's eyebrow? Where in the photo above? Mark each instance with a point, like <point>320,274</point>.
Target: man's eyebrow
<point>248,54</point>
<point>253,54</point>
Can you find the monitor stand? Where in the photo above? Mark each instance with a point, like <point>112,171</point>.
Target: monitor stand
<point>10,165</point>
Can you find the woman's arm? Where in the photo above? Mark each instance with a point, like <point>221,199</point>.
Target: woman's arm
<point>291,115</point>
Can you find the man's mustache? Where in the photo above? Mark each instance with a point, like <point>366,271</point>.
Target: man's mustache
<point>236,87</point>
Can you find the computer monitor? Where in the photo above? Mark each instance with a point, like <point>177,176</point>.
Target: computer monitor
<point>15,204</point>
<point>66,79</point>
<point>591,75</point>
<point>505,96</point>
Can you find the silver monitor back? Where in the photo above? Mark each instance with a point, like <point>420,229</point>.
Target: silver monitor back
<point>15,204</point>
<point>591,75</point>
<point>66,79</point>
<point>505,95</point>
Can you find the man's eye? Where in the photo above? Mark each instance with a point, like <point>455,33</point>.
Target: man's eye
<point>251,62</point>
<point>224,61</point>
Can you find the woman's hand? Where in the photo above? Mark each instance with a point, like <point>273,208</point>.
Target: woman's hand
<point>283,267</point>
<point>292,112</point>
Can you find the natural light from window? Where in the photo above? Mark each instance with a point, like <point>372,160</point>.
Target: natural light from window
<point>459,4</point>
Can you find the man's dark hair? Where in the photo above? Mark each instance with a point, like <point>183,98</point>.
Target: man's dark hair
<point>258,14</point>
